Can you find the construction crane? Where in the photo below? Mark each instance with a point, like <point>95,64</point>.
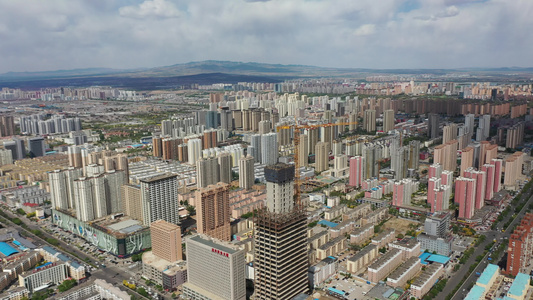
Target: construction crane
<point>297,128</point>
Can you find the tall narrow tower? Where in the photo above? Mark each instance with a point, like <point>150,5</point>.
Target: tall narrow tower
<point>280,245</point>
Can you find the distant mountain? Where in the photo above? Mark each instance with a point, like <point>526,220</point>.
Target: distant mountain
<point>62,73</point>
<point>135,83</point>
<point>213,71</point>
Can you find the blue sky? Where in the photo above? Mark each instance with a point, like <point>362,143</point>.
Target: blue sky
<point>41,35</point>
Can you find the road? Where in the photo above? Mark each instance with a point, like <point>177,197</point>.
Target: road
<point>74,251</point>
<point>112,274</point>
<point>457,278</point>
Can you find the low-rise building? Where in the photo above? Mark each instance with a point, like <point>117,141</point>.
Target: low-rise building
<point>384,238</point>
<point>384,265</point>
<point>318,239</point>
<point>375,217</point>
<point>442,246</point>
<point>47,274</point>
<point>332,247</point>
<point>361,235</point>
<point>168,274</point>
<point>96,290</point>
<point>342,228</point>
<point>357,212</point>
<point>362,259</point>
<point>423,283</point>
<point>404,273</point>
<point>408,246</point>
<point>322,271</point>
<point>335,212</point>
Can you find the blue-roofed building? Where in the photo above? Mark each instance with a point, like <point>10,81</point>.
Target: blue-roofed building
<point>476,293</point>
<point>520,286</point>
<point>50,250</point>
<point>488,276</point>
<point>335,292</point>
<point>6,249</point>
<point>438,258</point>
<point>423,257</point>
<point>328,223</point>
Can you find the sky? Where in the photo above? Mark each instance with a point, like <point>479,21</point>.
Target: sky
<point>38,35</point>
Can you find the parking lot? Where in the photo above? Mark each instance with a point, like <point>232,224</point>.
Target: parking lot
<point>354,289</point>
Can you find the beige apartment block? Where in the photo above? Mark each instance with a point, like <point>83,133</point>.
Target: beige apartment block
<point>362,259</point>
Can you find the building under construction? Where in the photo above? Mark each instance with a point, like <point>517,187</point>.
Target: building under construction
<point>280,245</point>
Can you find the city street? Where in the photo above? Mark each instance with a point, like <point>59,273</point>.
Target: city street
<point>458,276</point>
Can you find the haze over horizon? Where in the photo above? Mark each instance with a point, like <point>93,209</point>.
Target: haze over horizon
<point>61,35</point>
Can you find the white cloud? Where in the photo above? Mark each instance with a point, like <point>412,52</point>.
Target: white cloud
<point>58,34</point>
<point>367,29</point>
<point>151,9</point>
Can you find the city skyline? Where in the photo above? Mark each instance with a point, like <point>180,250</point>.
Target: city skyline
<point>138,34</point>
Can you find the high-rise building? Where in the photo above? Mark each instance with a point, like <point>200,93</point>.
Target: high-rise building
<point>215,270</point>
<point>312,133</point>
<point>90,198</point>
<point>269,149</point>
<point>17,148</point>
<point>469,124</point>
<point>481,180</point>
<point>467,159</point>
<point>515,135</point>
<point>36,146</point>
<point>369,120</point>
<point>449,132</point>
<point>280,241</point>
<point>131,201</point>
<point>246,172</point>
<point>498,169</point>
<point>303,153</point>
<point>489,187</point>
<point>208,172</point>
<point>7,126</point>
<point>465,196</point>
<point>520,246</point>
<point>166,240</point>
<point>194,150</point>
<point>483,130</point>
<point>157,147</point>
<point>255,147</point>
<point>356,171</point>
<point>433,126</point>
<point>402,192</point>
<point>159,198</point>
<point>6,157</point>
<point>114,180</point>
<point>74,157</point>
<point>213,213</point>
<point>513,168</point>
<point>388,120</point>
<point>438,224</point>
<point>321,157</point>
<point>414,155</point>
<point>224,164</point>
<point>370,159</point>
<point>399,157</point>
<point>446,155</point>
<point>62,187</point>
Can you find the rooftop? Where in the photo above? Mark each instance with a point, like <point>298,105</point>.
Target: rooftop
<point>211,243</point>
<point>385,259</point>
<point>520,285</point>
<point>332,242</point>
<point>158,177</point>
<point>363,252</point>
<point>487,274</point>
<point>161,264</point>
<point>476,293</point>
<point>6,249</point>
